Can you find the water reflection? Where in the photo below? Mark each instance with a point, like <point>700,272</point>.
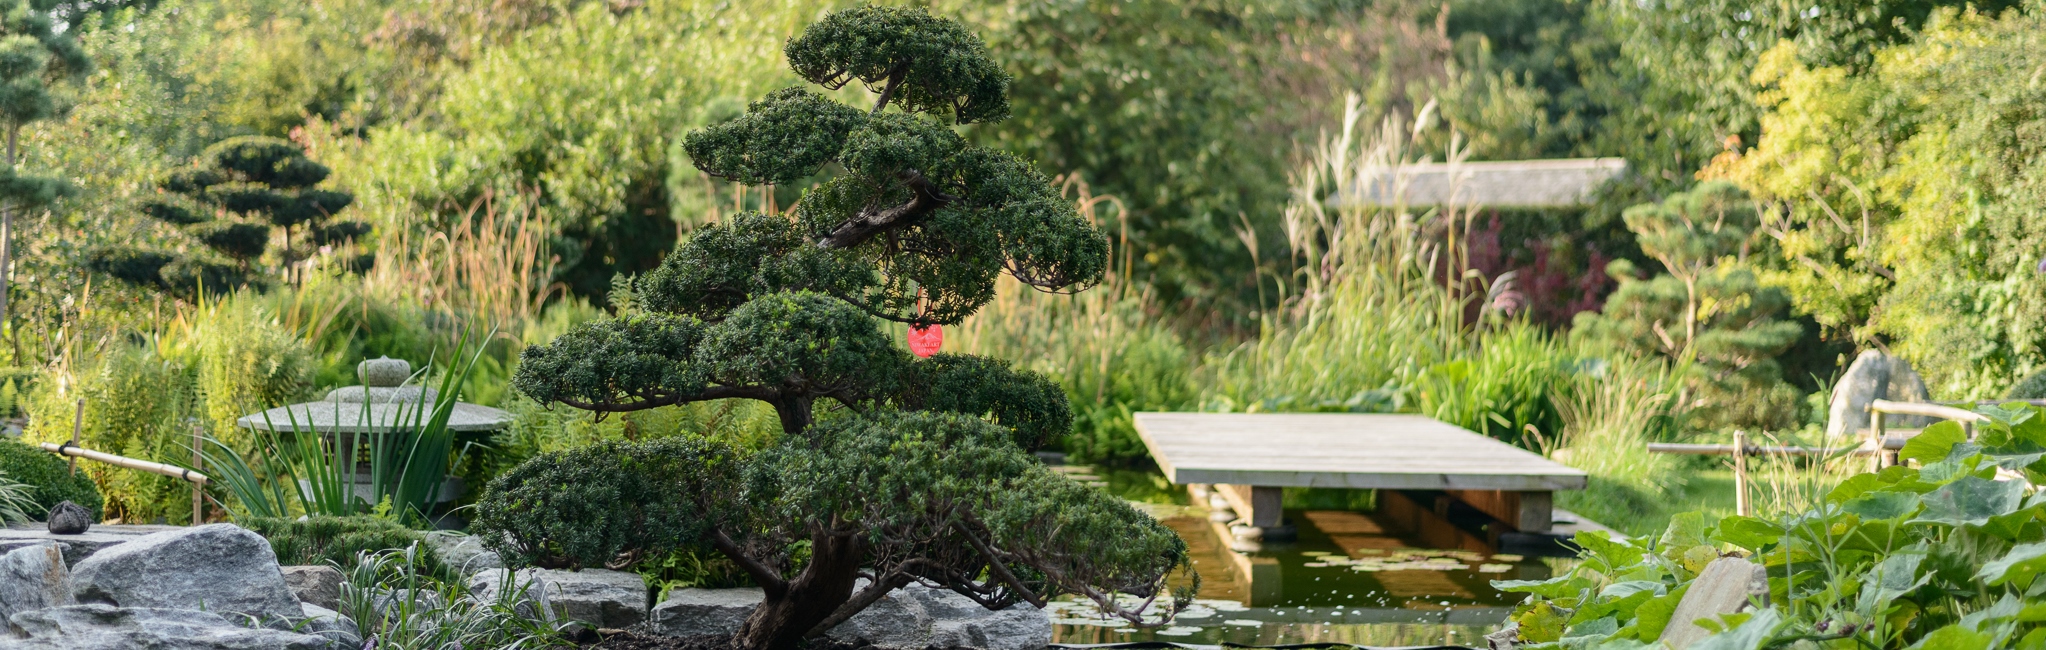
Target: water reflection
<point>1400,576</point>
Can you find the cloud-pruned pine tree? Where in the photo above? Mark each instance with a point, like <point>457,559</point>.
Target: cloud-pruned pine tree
<point>890,469</point>
<point>232,202</point>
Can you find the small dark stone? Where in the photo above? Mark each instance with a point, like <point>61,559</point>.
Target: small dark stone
<point>67,518</point>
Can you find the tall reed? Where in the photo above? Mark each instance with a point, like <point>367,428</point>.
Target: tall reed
<point>492,262</point>
<point>1382,312</point>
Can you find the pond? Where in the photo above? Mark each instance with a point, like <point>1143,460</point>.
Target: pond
<point>1389,576</point>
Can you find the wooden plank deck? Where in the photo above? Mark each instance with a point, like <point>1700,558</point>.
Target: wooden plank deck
<point>1343,450</point>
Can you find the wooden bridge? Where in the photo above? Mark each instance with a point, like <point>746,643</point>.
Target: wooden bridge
<point>1249,457</point>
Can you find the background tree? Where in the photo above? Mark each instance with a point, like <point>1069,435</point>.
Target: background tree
<point>892,469</point>
<point>36,61</point>
<point>229,202</point>
<point>1706,312</point>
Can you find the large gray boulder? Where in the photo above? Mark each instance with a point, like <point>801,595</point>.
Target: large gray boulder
<point>958,621</point>
<point>912,617</point>
<point>692,612</point>
<point>217,567</point>
<point>317,584</point>
<point>600,597</point>
<point>105,627</point>
<point>463,552</point>
<point>33,578</point>
<point>331,624</point>
<point>1871,377</point>
<point>898,620</point>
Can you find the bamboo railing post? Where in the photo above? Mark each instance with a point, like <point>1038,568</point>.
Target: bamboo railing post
<point>197,488</point>
<point>1881,439</point>
<point>77,427</point>
<point>1740,473</point>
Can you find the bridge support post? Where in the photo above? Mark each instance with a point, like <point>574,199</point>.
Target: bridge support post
<point>1259,504</point>
<point>1527,512</point>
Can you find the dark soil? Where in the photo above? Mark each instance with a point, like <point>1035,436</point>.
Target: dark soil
<point>637,641</point>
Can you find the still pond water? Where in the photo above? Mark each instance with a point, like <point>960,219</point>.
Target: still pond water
<point>1382,578</point>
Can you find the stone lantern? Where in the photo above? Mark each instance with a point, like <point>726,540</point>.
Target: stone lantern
<point>382,406</point>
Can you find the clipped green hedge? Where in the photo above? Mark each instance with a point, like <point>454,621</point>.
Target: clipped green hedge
<point>51,477</point>
<point>323,539</point>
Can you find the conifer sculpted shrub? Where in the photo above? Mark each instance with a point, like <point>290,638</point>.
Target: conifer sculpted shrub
<point>891,468</point>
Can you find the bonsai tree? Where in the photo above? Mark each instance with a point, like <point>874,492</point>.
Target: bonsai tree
<point>230,202</point>
<point>36,60</point>
<point>1705,311</point>
<point>890,469</point>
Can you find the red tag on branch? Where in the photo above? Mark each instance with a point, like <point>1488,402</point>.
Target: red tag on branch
<point>925,341</point>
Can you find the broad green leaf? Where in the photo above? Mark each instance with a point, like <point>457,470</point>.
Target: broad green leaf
<point>2022,563</point>
<point>2033,613</point>
<point>1562,587</point>
<point>1625,643</point>
<point>1629,588</point>
<point>1750,533</point>
<point>1540,623</point>
<point>1972,500</point>
<point>1599,627</point>
<point>2034,640</point>
<point>1897,575</point>
<point>2002,613</point>
<point>1934,443</point>
<point>1685,530</point>
<point>1695,558</point>
<point>1964,459</point>
<point>1854,486</point>
<point>1652,616</point>
<point>1882,505</point>
<point>1616,554</point>
<point>1749,634</point>
<point>1952,637</point>
<point>1618,608</point>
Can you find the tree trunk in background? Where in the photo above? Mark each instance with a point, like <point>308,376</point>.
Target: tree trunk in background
<point>7,236</point>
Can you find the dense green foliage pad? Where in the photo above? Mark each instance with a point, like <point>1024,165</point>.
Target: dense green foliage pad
<point>891,468</point>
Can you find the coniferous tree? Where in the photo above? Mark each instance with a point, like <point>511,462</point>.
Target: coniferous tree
<point>890,469</point>
<point>36,63</point>
<point>230,202</point>
<point>1706,312</point>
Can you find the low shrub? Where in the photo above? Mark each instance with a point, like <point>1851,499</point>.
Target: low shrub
<point>339,540</point>
<point>49,476</point>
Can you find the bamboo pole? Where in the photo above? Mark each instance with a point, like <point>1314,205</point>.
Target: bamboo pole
<point>77,427</point>
<point>1962,415</point>
<point>123,461</point>
<point>1750,450</point>
<point>1740,474</point>
<point>198,488</point>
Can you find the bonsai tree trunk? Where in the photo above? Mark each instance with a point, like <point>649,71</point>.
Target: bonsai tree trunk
<point>792,609</point>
